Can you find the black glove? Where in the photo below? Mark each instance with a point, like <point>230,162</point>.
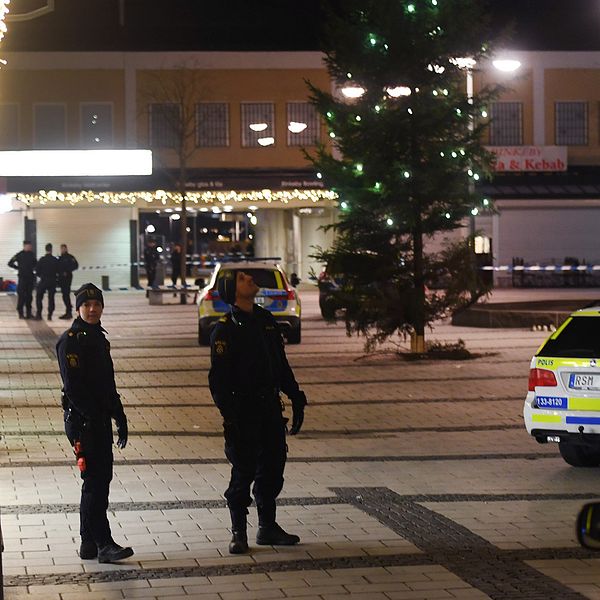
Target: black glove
<point>298,403</point>
<point>122,432</point>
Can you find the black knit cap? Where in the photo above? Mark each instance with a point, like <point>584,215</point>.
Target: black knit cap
<point>226,286</point>
<point>88,291</point>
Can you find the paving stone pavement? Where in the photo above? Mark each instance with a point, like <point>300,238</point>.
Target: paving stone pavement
<point>410,480</point>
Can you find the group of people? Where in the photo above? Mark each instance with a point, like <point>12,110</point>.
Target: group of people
<point>52,272</point>
<point>249,370</point>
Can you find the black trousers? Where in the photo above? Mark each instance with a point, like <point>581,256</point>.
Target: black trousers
<point>176,274</point>
<point>65,289</point>
<point>25,294</point>
<point>257,450</point>
<point>151,274</point>
<point>42,288</point>
<point>97,449</point>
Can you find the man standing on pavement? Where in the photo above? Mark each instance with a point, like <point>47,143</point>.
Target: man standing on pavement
<point>248,370</point>
<point>25,262</point>
<point>151,258</point>
<point>67,263</point>
<point>90,401</point>
<point>47,270</point>
<point>176,264</point>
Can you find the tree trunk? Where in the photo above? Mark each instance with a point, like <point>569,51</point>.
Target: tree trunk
<point>417,340</point>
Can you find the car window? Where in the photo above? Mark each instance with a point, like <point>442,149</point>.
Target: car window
<point>264,278</point>
<point>580,337</point>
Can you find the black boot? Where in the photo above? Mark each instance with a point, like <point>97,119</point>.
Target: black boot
<point>274,535</point>
<point>21,316</point>
<point>38,317</point>
<point>112,552</point>
<point>238,543</point>
<point>67,315</point>
<point>88,550</point>
<point>49,316</point>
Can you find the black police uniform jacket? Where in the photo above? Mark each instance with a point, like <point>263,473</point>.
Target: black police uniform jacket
<point>47,268</point>
<point>67,263</point>
<point>25,262</point>
<point>88,375</point>
<point>248,363</point>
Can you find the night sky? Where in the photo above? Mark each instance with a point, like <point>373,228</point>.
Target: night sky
<point>264,25</point>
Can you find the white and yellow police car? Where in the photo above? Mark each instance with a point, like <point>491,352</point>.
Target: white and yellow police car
<point>563,401</point>
<point>276,294</point>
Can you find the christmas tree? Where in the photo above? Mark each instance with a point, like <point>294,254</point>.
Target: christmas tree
<point>405,154</point>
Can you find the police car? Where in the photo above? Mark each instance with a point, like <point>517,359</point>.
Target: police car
<point>276,294</point>
<point>563,401</point>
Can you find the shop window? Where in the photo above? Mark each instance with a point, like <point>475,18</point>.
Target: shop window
<point>212,124</point>
<point>9,126</point>
<point>96,125</point>
<point>571,123</point>
<point>165,124</point>
<point>50,126</point>
<point>506,124</point>
<point>302,124</point>
<point>258,124</point>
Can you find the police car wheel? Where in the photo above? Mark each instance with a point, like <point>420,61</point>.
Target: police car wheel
<point>203,336</point>
<point>294,336</point>
<point>579,456</point>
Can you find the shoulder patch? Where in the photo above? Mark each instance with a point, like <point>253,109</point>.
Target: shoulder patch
<point>73,360</point>
<point>220,346</point>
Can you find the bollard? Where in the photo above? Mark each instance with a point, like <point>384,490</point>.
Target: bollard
<point>105,286</point>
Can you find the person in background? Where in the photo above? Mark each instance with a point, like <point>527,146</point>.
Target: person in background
<point>151,258</point>
<point>67,263</point>
<point>47,270</point>
<point>24,261</point>
<point>176,264</point>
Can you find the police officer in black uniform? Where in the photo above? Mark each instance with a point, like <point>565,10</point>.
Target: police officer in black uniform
<point>67,263</point>
<point>47,270</point>
<point>248,370</point>
<point>25,262</point>
<point>151,258</point>
<point>90,400</point>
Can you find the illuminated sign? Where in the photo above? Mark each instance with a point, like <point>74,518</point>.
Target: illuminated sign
<point>529,158</point>
<point>75,163</point>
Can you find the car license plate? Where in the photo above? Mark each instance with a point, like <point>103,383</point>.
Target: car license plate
<point>259,300</point>
<point>584,382</point>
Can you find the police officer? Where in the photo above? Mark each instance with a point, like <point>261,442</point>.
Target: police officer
<point>47,270</point>
<point>90,400</point>
<point>67,263</point>
<point>248,370</point>
<point>151,258</point>
<point>25,262</point>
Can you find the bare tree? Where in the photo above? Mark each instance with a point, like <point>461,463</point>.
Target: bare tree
<point>169,100</point>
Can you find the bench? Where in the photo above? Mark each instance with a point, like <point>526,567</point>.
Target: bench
<point>171,295</point>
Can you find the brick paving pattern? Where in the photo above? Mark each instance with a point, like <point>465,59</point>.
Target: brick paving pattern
<point>411,480</point>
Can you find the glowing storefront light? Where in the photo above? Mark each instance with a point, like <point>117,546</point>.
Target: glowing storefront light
<point>75,163</point>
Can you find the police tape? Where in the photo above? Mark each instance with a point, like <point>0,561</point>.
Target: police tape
<point>543,268</point>
<point>194,263</point>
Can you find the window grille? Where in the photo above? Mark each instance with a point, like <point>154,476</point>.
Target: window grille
<point>506,124</point>
<point>96,126</point>
<point>258,124</point>
<point>50,126</point>
<point>9,126</point>
<point>571,123</point>
<point>165,125</point>
<point>212,124</point>
<point>302,124</point>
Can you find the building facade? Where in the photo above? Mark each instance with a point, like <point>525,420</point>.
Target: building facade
<point>229,129</point>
